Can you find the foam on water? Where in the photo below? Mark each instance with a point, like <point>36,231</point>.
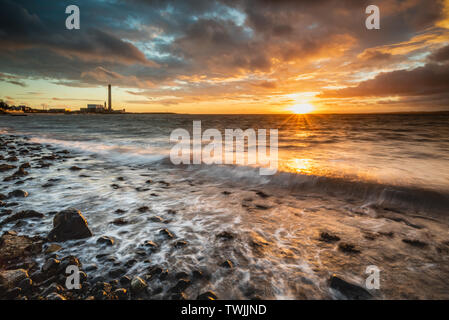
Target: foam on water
<point>274,246</point>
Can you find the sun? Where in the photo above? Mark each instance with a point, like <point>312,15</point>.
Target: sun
<point>302,108</point>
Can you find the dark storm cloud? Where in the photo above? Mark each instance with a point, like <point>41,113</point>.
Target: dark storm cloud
<point>430,79</point>
<point>21,29</point>
<point>146,43</point>
<point>441,55</point>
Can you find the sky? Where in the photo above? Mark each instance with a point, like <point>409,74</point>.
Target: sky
<point>223,56</point>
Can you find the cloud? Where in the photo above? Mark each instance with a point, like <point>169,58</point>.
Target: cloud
<point>12,79</point>
<point>441,55</point>
<point>227,50</point>
<point>21,29</point>
<point>427,80</point>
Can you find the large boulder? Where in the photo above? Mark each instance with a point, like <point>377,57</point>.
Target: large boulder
<point>69,224</point>
<point>13,246</point>
<point>349,290</point>
<point>18,194</point>
<point>11,278</point>
<point>138,284</point>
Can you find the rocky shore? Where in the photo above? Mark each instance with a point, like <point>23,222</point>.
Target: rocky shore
<point>35,266</point>
<point>23,277</point>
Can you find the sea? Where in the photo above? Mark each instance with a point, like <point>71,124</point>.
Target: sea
<point>373,180</point>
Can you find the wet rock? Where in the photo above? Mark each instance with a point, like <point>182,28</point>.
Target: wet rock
<point>197,274</point>
<point>109,241</point>
<point>348,248</point>
<point>120,179</point>
<point>91,267</point>
<point>25,165</point>
<point>226,193</point>
<point>180,244</point>
<point>208,295</point>
<point>171,211</point>
<point>13,293</point>
<point>261,206</point>
<point>47,185</point>
<point>349,290</point>
<point>43,164</point>
<point>75,168</point>
<point>156,219</point>
<point>227,264</point>
<point>179,296</point>
<point>13,246</point>
<point>20,173</point>
<point>121,294</point>
<point>16,175</point>
<point>6,167</point>
<point>329,238</point>
<point>53,248</point>
<point>102,291</point>
<point>225,235</point>
<point>50,157</point>
<point>415,243</point>
<point>125,281</point>
<point>55,296</point>
<point>181,275</point>
<point>130,263</point>
<point>11,204</point>
<point>180,286</point>
<point>51,266</point>
<point>22,215</point>
<point>5,212</point>
<point>155,270</point>
<point>25,284</point>
<point>69,224</point>
<point>115,273</point>
<point>138,285</point>
<point>164,183</point>
<point>164,275</point>
<point>148,181</point>
<point>115,186</point>
<point>18,194</point>
<point>70,261</point>
<point>150,244</point>
<point>143,209</point>
<point>119,222</point>
<point>167,234</point>
<point>12,159</point>
<point>2,196</point>
<point>100,285</point>
<point>11,278</point>
<point>119,211</point>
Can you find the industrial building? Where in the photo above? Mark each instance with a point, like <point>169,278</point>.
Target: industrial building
<point>99,108</point>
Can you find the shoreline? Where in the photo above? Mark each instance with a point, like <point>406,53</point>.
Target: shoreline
<point>35,268</point>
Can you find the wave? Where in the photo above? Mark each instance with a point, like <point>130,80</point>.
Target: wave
<point>123,154</point>
<point>384,195</point>
<point>391,196</point>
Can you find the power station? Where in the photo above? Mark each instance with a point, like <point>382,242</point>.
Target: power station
<point>98,108</point>
<point>109,99</point>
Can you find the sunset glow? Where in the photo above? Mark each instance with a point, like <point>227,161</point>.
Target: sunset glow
<point>302,108</point>
<point>227,57</point>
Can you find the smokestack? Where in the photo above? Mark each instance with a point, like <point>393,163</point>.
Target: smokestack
<point>109,98</point>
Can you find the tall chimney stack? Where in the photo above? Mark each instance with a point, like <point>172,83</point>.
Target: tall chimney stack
<point>109,98</point>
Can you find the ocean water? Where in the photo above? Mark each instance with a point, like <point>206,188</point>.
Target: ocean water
<point>362,177</point>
